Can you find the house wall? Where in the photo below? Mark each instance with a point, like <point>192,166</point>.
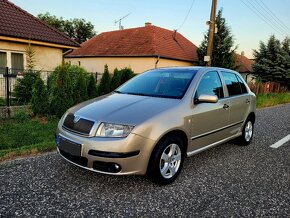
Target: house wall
<point>137,64</point>
<point>46,58</point>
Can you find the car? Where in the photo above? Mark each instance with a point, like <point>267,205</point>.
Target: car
<point>149,125</point>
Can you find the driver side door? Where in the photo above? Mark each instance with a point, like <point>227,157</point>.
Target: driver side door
<point>209,119</point>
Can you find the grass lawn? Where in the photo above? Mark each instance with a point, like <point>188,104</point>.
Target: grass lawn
<point>27,137</point>
<point>271,99</point>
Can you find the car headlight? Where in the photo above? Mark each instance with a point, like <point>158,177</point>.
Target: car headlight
<point>113,130</point>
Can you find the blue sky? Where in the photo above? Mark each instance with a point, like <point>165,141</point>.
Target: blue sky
<point>248,29</point>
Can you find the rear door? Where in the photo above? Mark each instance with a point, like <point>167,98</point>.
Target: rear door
<point>209,119</point>
<point>239,100</point>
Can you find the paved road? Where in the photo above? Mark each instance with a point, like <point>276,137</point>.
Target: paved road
<point>226,181</point>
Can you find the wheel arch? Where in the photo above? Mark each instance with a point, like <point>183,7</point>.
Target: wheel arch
<point>252,117</point>
<point>181,134</point>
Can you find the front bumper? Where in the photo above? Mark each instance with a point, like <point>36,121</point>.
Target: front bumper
<point>115,156</point>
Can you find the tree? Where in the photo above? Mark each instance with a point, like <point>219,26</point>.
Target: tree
<point>120,77</point>
<point>105,84</point>
<point>92,87</point>
<point>77,29</point>
<point>39,100</point>
<point>272,61</point>
<point>30,57</point>
<point>223,54</point>
<point>23,87</point>
<point>80,90</point>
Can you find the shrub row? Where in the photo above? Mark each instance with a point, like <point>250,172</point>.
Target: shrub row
<point>68,85</point>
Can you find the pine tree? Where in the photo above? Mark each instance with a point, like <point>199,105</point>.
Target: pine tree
<point>115,82</point>
<point>223,54</point>
<point>80,90</point>
<point>39,100</point>
<point>105,84</point>
<point>272,61</point>
<point>92,87</point>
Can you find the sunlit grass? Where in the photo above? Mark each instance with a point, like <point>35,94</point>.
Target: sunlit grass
<point>271,99</point>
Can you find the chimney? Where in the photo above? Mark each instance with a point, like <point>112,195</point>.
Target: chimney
<point>243,53</point>
<point>148,24</point>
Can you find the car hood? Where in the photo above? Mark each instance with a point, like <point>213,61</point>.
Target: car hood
<point>123,109</point>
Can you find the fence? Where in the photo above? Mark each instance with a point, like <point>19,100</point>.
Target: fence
<point>268,87</point>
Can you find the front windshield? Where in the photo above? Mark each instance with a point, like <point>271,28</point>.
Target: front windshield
<point>165,83</point>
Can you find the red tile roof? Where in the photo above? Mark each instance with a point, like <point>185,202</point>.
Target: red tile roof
<point>17,23</point>
<point>142,41</point>
<point>244,64</point>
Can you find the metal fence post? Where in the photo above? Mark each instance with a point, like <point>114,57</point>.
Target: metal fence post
<point>7,90</point>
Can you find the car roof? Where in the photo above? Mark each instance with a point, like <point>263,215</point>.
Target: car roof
<point>197,68</point>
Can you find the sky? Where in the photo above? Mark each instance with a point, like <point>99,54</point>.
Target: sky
<point>248,27</point>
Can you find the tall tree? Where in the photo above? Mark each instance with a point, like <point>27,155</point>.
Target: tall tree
<point>272,61</point>
<point>223,54</point>
<point>77,29</point>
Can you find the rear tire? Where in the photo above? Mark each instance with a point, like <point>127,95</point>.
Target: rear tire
<point>247,133</point>
<point>166,160</point>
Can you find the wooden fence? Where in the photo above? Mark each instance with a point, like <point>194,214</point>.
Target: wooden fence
<point>268,87</point>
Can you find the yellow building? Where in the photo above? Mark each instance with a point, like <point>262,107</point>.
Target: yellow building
<point>139,48</point>
<point>18,29</point>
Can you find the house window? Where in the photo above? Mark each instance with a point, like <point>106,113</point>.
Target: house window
<point>3,60</point>
<point>17,62</point>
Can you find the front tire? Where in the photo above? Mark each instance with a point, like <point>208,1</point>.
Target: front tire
<point>166,160</point>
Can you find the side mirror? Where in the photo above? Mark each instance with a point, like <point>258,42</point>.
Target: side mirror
<point>207,99</point>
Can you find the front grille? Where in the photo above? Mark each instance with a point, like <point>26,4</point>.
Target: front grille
<point>82,126</point>
<point>75,159</point>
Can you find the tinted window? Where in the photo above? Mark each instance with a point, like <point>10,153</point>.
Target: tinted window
<point>243,86</point>
<point>210,84</point>
<point>232,83</point>
<point>167,83</point>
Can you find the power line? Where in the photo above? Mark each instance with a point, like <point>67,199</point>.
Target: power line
<point>265,16</point>
<point>273,15</point>
<point>268,16</point>
<point>255,11</point>
<point>185,18</point>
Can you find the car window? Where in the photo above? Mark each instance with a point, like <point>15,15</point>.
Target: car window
<point>243,86</point>
<point>164,83</point>
<point>232,83</point>
<point>210,84</point>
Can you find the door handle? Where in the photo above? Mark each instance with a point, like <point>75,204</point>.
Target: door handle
<point>226,106</point>
<point>248,101</point>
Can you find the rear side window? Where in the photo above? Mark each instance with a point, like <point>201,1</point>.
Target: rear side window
<point>232,83</point>
<point>210,84</point>
<point>243,86</point>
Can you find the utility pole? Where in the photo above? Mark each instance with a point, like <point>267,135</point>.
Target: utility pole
<point>208,56</point>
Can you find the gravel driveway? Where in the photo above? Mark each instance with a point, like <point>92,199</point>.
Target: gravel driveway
<point>226,181</point>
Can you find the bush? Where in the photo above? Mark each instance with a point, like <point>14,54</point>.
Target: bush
<point>68,85</point>
<point>80,93</point>
<point>61,90</point>
<point>39,100</point>
<point>23,87</point>
<point>105,84</point>
<point>92,87</point>
<point>21,115</point>
<point>120,77</point>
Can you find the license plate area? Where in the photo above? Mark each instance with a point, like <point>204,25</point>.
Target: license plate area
<point>69,146</point>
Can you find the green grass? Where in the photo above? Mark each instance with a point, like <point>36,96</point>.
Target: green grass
<point>271,99</point>
<point>28,137</point>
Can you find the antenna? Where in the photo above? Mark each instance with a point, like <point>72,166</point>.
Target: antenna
<point>120,20</point>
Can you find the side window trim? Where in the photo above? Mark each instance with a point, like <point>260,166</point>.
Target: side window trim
<point>225,89</point>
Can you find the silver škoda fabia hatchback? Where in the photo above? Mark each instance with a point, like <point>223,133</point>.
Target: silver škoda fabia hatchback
<point>153,122</point>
